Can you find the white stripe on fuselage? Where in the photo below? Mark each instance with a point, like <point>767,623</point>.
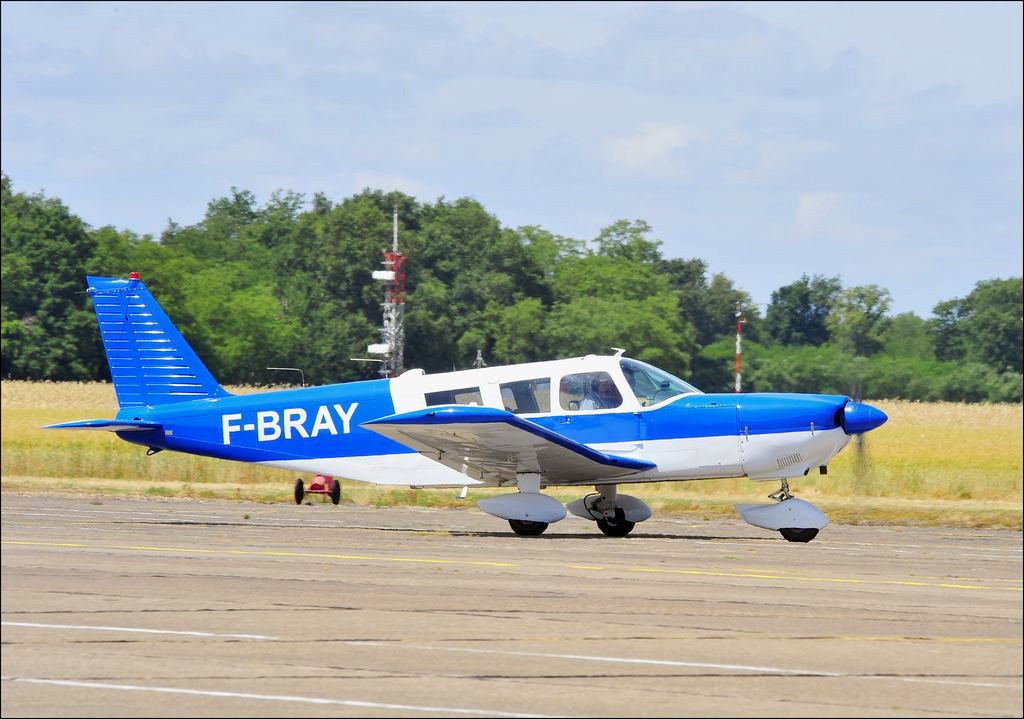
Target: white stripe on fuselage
<point>790,454</point>
<point>757,456</point>
<point>407,469</point>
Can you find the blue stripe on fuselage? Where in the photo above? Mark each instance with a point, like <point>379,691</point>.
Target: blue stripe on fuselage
<point>775,413</point>
<point>312,422</point>
<point>283,425</point>
<point>706,415</point>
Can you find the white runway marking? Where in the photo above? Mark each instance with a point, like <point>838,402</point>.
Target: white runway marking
<point>698,665</point>
<point>922,680</point>
<point>270,697</point>
<point>137,630</point>
<point>617,660</point>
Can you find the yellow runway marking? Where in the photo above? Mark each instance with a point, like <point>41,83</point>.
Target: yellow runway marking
<point>251,553</point>
<point>413,560</point>
<point>792,577</point>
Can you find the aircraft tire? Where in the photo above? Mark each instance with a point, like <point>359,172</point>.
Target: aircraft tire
<point>526,528</point>
<point>798,535</point>
<point>615,529</point>
<point>335,491</point>
<point>300,491</point>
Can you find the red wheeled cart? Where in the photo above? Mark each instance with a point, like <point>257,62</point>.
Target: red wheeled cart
<point>321,484</point>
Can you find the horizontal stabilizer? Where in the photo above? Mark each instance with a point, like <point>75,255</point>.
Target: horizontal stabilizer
<point>483,442</point>
<point>107,425</point>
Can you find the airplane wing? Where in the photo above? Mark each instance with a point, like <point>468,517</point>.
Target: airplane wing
<point>488,444</point>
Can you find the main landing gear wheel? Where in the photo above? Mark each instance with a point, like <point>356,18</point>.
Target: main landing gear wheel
<point>300,491</point>
<point>526,528</point>
<point>335,491</point>
<point>618,528</point>
<point>799,535</point>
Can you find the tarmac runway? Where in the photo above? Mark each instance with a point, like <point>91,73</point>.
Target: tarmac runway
<point>117,607</point>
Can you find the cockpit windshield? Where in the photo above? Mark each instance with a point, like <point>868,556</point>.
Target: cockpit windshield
<point>652,385</point>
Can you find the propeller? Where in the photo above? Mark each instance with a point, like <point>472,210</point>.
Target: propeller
<point>859,419</point>
<point>859,459</point>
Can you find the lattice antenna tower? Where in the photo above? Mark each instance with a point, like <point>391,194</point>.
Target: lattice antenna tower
<point>739,347</point>
<point>392,334</point>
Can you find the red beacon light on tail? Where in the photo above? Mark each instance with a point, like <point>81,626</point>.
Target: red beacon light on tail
<point>134,276</point>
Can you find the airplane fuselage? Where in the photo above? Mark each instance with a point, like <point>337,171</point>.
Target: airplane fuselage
<point>320,429</point>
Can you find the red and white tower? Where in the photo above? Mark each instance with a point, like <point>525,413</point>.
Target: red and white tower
<point>739,347</point>
<point>392,334</point>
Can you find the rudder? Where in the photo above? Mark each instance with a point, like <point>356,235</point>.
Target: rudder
<point>150,361</point>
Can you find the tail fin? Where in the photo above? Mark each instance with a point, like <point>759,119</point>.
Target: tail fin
<point>150,362</point>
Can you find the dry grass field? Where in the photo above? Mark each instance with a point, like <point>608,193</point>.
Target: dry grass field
<point>942,464</point>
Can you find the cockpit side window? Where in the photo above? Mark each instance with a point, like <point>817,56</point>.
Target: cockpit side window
<point>466,395</point>
<point>588,390</point>
<point>652,385</point>
<point>528,396</point>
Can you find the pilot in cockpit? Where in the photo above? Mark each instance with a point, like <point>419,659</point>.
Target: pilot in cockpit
<point>602,394</point>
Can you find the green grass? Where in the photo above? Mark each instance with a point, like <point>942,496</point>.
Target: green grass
<point>938,464</point>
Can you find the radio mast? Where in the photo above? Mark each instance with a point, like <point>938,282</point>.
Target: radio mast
<point>739,347</point>
<point>392,334</point>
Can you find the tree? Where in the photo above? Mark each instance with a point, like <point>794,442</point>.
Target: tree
<point>48,327</point>
<point>465,270</point>
<point>983,327</point>
<point>596,275</point>
<point>721,301</point>
<point>520,335</point>
<point>798,312</point>
<point>710,306</point>
<point>546,250</point>
<point>908,336</point>
<point>324,272</point>
<point>628,240</point>
<point>649,329</point>
<point>252,286</point>
<point>858,321</point>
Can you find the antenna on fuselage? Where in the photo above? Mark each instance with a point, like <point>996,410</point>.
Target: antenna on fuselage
<point>392,334</point>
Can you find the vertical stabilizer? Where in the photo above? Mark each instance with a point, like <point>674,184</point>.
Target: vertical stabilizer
<point>150,362</point>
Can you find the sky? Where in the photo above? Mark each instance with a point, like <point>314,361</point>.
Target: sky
<point>877,142</point>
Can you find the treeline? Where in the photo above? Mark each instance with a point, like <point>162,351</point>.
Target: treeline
<point>289,285</point>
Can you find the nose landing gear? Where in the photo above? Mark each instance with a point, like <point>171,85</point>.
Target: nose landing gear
<point>795,519</point>
<point>798,535</point>
<point>782,493</point>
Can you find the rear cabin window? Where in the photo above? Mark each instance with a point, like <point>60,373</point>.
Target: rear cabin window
<point>588,390</point>
<point>528,396</point>
<point>466,395</point>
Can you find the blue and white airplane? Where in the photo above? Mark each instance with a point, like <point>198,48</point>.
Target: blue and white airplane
<point>595,420</point>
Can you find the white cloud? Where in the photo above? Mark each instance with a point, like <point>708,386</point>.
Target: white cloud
<point>778,156</point>
<point>654,149</point>
<point>976,46</point>
<point>821,212</point>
